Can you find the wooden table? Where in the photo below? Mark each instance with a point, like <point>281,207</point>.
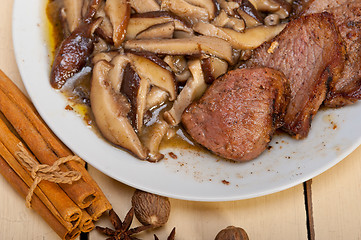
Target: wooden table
<point>328,208</point>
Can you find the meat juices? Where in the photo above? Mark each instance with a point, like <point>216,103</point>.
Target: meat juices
<point>239,112</point>
<point>310,53</point>
<point>347,89</point>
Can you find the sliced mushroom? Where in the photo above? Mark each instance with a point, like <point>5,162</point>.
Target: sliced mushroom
<point>281,7</point>
<point>193,89</point>
<point>250,14</point>
<point>105,30</point>
<point>118,12</point>
<point>136,88</point>
<point>141,22</point>
<point>253,37</point>
<point>155,74</point>
<point>92,8</point>
<point>103,56</point>
<point>110,111</point>
<point>177,63</point>
<point>223,20</point>
<point>73,53</point>
<point>100,45</point>
<point>182,34</point>
<point>152,139</point>
<point>116,74</point>
<point>183,76</point>
<point>73,9</point>
<point>141,6</point>
<point>213,68</point>
<point>249,39</point>
<point>85,7</point>
<point>228,7</point>
<point>209,5</point>
<point>156,97</point>
<point>236,24</point>
<point>265,5</point>
<point>185,46</point>
<point>179,66</point>
<point>162,30</point>
<point>152,57</point>
<point>211,30</point>
<point>183,8</point>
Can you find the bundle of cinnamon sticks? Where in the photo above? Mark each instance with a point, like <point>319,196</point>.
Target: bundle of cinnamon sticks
<point>69,208</point>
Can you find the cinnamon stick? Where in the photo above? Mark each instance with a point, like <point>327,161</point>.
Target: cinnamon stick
<point>53,197</point>
<point>86,222</point>
<point>20,122</point>
<point>41,140</point>
<point>98,207</point>
<point>37,204</point>
<point>9,88</point>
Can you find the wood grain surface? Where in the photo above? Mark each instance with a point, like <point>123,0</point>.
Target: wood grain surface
<point>335,197</point>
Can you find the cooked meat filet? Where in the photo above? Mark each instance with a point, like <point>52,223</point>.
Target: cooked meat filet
<point>317,6</point>
<point>310,54</point>
<point>347,89</point>
<point>239,112</point>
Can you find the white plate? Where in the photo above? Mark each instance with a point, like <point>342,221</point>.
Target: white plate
<point>193,176</point>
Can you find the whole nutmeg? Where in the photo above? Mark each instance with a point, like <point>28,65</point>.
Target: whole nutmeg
<point>150,208</point>
<point>232,233</point>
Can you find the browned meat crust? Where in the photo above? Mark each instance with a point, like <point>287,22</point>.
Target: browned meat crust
<point>317,6</point>
<point>310,53</point>
<point>239,113</point>
<point>347,89</point>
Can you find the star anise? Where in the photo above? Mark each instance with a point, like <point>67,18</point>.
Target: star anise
<point>122,229</point>
<point>170,237</point>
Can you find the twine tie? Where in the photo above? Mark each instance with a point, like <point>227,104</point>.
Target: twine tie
<point>41,172</point>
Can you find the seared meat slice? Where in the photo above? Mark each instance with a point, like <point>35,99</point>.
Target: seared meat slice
<point>239,112</point>
<point>310,54</point>
<point>317,6</point>
<point>347,15</point>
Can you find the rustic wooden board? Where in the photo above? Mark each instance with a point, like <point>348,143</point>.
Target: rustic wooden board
<point>17,221</point>
<point>281,214</point>
<point>336,196</point>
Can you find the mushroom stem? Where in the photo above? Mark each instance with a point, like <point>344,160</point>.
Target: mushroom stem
<point>193,89</point>
<point>153,138</point>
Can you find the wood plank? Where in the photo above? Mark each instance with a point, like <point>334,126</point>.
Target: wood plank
<point>336,196</point>
<point>17,221</point>
<point>7,56</point>
<point>281,214</point>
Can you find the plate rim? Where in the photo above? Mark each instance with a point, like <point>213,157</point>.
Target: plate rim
<point>32,94</point>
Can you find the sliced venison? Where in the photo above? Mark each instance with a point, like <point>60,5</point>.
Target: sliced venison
<point>347,89</point>
<point>310,54</point>
<point>239,112</point>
